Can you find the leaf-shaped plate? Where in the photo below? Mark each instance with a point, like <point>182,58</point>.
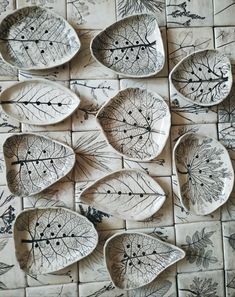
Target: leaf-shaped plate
<point>136,123</point>
<point>35,162</point>
<point>127,194</point>
<point>36,38</point>
<point>39,102</point>
<point>204,171</point>
<point>49,239</point>
<point>135,259</point>
<point>132,46</point>
<point>203,77</point>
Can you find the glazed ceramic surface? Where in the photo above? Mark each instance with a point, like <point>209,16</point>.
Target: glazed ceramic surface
<point>136,123</point>
<point>135,259</point>
<point>132,46</point>
<point>39,102</point>
<point>49,239</point>
<point>205,173</point>
<point>35,38</point>
<point>203,78</point>
<point>128,194</point>
<point>34,162</point>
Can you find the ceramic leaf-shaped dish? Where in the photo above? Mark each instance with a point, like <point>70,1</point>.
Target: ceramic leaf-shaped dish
<point>203,78</point>
<point>34,162</point>
<point>205,173</point>
<point>38,102</point>
<point>49,239</point>
<point>36,38</point>
<point>135,259</point>
<point>132,46</point>
<point>136,123</point>
<point>127,194</point>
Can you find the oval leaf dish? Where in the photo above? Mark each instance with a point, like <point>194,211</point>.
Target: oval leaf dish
<point>203,78</point>
<point>34,162</point>
<point>127,194</point>
<point>35,38</point>
<point>39,102</point>
<point>49,239</point>
<point>205,173</point>
<point>135,259</point>
<point>136,123</point>
<point>132,46</point>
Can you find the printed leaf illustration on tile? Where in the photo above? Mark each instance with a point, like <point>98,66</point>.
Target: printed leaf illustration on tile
<point>35,38</point>
<point>49,239</point>
<point>34,162</point>
<point>158,289</point>
<point>202,287</point>
<point>4,268</point>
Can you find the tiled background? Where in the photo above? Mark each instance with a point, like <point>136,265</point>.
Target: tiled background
<point>186,26</point>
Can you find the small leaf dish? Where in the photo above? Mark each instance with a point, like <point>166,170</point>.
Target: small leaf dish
<point>132,46</point>
<point>35,162</point>
<point>50,239</point>
<point>203,77</point>
<point>128,194</point>
<point>136,123</point>
<point>34,38</point>
<point>204,171</point>
<point>135,259</point>
<point>39,102</point>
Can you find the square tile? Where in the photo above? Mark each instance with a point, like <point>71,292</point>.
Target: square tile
<point>70,290</point>
<point>101,220</point>
<point>164,216</point>
<point>226,109</point>
<point>94,157</point>
<point>6,6</point>
<point>13,293</point>
<point>229,244</point>
<point>184,41</point>
<point>101,289</point>
<point>91,14</point>
<point>226,133</point>
<point>189,13</point>
<point>201,284</point>
<point>228,209</point>
<point>224,13</point>
<point>230,283</point>
<point>93,94</point>
<point>202,243</point>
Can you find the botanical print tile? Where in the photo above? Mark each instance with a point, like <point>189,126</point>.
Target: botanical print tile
<point>164,216</point>
<point>228,209</point>
<point>91,14</point>
<point>189,13</point>
<point>183,216</point>
<point>202,244</point>
<point>64,276</point>
<point>93,94</point>
<point>7,123</point>
<point>224,13</point>
<point>94,157</point>
<point>125,8</point>
<point>226,109</point>
<point>230,283</point>
<point>64,290</point>
<point>57,6</point>
<point>59,194</point>
<point>12,277</point>
<point>229,244</point>
<point>6,6</point>
<point>183,41</point>
<point>62,126</point>
<point>101,220</point>
<point>92,268</point>
<point>101,289</point>
<point>227,137</point>
<point>160,166</point>
<point>202,284</point>
<point>13,293</point>
<point>10,207</point>
<point>83,66</point>
<point>7,72</point>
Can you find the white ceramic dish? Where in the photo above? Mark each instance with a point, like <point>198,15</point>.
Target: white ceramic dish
<point>204,77</point>
<point>35,162</point>
<point>136,123</point>
<point>127,194</point>
<point>39,102</point>
<point>135,259</point>
<point>34,38</point>
<point>132,46</point>
<point>49,239</point>
<point>204,171</point>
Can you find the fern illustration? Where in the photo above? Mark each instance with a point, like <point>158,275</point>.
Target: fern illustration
<point>202,288</point>
<point>93,215</point>
<point>4,268</point>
